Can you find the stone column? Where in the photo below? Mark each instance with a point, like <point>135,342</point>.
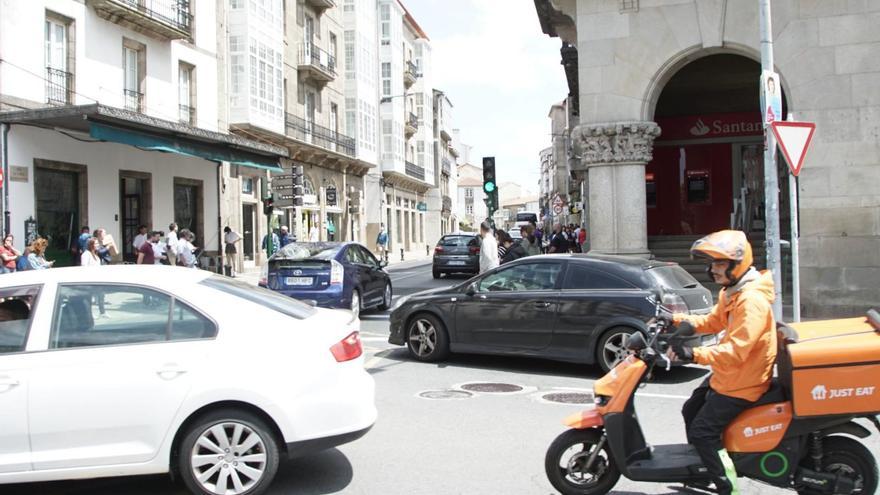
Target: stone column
<point>614,156</point>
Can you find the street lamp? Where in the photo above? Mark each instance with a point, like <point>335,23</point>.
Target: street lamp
<point>387,99</point>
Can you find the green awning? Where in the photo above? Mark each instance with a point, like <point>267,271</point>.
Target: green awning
<point>154,142</point>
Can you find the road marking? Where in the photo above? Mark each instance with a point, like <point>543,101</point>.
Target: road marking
<point>395,279</point>
<point>374,339</point>
<point>373,361</point>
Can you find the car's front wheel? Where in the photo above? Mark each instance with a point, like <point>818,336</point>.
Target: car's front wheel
<point>228,452</point>
<point>426,338</point>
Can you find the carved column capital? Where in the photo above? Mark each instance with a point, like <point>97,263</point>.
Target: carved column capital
<point>614,143</point>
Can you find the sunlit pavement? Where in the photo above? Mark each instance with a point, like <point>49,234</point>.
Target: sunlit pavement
<point>484,443</point>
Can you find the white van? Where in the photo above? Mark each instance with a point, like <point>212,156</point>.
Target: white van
<point>526,217</point>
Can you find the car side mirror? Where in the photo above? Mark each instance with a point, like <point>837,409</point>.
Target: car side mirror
<point>383,264</point>
<point>471,289</point>
<point>636,342</point>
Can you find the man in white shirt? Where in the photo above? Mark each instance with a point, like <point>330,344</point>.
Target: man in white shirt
<point>171,244</point>
<point>140,239</point>
<point>488,248</point>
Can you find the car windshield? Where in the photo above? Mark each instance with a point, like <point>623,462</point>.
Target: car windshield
<point>456,240</point>
<point>527,217</point>
<point>308,251</point>
<point>673,277</point>
<point>264,297</point>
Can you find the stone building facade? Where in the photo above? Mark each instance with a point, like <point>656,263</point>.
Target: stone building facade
<point>673,85</point>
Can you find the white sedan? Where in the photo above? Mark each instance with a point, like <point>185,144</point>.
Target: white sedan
<point>129,370</point>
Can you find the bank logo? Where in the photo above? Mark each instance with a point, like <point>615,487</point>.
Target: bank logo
<point>820,392</point>
<point>699,129</point>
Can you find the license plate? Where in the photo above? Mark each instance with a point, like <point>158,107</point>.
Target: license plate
<point>457,263</point>
<point>299,281</point>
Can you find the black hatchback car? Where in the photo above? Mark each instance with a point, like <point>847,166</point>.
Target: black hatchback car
<point>457,253</point>
<point>577,308</point>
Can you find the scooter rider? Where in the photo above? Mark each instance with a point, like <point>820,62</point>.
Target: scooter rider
<point>742,362</point>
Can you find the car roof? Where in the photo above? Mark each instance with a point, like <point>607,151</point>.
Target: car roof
<point>158,275</point>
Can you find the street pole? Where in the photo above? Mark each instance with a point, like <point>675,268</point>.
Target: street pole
<point>795,259</point>
<point>771,186</point>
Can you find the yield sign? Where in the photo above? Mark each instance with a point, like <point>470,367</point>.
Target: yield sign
<point>794,139</point>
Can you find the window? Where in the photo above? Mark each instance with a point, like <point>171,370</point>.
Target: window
<point>247,185</point>
<point>526,277</point>
<point>469,209</point>
<point>132,78</point>
<point>582,278</point>
<point>59,65</point>
<point>261,296</point>
<point>368,256</point>
<point>334,118</point>
<point>333,50</point>
<point>469,192</point>
<point>16,311</point>
<point>186,94</point>
<point>188,324</point>
<point>354,255</point>
<point>350,70</point>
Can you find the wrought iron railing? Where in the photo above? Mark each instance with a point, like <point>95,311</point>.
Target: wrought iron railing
<point>310,132</point>
<point>413,120</point>
<point>134,100</point>
<point>447,203</point>
<point>188,114</point>
<point>446,165</point>
<point>175,13</point>
<point>412,70</point>
<point>59,86</point>
<point>312,54</point>
<point>414,170</point>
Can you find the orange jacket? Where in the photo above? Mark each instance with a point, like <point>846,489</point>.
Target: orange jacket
<point>742,363</point>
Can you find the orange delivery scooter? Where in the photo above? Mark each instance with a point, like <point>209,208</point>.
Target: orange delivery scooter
<point>800,435</point>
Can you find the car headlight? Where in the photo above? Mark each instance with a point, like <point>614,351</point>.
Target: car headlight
<point>399,302</point>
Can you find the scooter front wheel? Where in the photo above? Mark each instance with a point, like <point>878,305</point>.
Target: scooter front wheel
<point>569,467</point>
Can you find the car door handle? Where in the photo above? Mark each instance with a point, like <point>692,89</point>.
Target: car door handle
<point>7,384</point>
<point>542,304</point>
<point>170,372</point>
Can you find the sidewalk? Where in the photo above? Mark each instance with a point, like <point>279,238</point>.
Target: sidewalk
<point>411,259</point>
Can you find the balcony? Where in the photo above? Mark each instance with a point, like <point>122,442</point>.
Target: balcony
<point>321,4</point>
<point>445,166</point>
<point>414,170</point>
<point>134,101</point>
<point>163,19</point>
<point>410,74</point>
<point>316,63</point>
<point>59,87</point>
<point>411,125</point>
<point>454,152</point>
<point>447,203</point>
<point>309,132</point>
<point>187,114</point>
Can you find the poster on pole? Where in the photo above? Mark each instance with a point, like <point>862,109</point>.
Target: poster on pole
<point>771,97</point>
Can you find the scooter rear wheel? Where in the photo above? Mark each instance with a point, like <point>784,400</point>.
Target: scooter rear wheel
<point>848,457</point>
<point>566,459</point>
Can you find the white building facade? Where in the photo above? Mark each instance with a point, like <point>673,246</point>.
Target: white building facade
<point>90,93</point>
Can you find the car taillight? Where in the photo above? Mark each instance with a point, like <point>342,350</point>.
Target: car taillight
<point>674,303</point>
<point>474,250</point>
<point>348,348</point>
<point>336,272</point>
<point>438,249</point>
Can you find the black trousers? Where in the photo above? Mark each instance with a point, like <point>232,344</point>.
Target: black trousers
<point>706,414</point>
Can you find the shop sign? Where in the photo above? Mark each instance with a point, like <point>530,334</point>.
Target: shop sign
<point>310,199</point>
<point>331,196</point>
<point>422,206</point>
<point>18,174</point>
<point>710,126</point>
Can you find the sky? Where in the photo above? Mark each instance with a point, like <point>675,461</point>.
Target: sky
<point>501,73</point>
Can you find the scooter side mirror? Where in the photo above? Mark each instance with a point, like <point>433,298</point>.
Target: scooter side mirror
<point>636,342</point>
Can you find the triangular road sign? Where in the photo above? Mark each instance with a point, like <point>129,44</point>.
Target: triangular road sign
<point>794,139</point>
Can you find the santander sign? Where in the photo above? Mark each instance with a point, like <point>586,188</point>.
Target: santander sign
<point>710,126</point>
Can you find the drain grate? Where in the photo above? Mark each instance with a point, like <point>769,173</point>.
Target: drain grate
<point>445,394</point>
<point>492,388</point>
<point>569,397</point>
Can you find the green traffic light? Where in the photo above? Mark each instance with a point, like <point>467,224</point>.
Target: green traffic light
<point>489,187</point>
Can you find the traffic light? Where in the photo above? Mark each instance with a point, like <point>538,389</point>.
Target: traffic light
<point>298,174</point>
<point>268,204</point>
<point>490,185</point>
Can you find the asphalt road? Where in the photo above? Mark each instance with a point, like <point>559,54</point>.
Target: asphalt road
<point>484,443</point>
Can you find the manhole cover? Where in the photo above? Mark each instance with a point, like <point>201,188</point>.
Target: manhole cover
<point>492,388</point>
<point>569,397</point>
<point>445,394</point>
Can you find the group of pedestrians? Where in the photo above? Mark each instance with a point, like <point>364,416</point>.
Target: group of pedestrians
<point>498,247</point>
<point>567,239</point>
<point>176,249</point>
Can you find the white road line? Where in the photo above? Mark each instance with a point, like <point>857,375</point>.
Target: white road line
<point>373,361</point>
<point>374,339</point>
<point>395,279</point>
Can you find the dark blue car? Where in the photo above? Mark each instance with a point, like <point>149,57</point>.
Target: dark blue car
<point>334,274</point>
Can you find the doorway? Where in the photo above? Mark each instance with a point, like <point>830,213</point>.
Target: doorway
<point>135,208</point>
<point>247,220</point>
<point>60,195</point>
<point>188,204</point>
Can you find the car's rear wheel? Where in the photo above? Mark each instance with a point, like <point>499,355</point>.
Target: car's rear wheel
<point>426,338</point>
<point>436,273</point>
<point>228,452</point>
<point>386,298</point>
<point>612,347</point>
<point>356,302</point>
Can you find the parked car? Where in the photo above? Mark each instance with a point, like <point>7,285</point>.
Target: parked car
<point>131,370</point>
<point>333,274</point>
<point>457,253</point>
<point>579,308</point>
<point>515,234</point>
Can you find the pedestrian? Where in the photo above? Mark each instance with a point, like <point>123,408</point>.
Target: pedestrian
<point>37,257</point>
<point>500,237</point>
<point>159,249</point>
<point>382,243</point>
<point>539,235</point>
<point>514,251</point>
<point>8,255</point>
<point>283,237</point>
<point>582,238</point>
<point>171,244</point>
<point>230,237</point>
<point>146,254</point>
<point>275,242</point>
<point>558,242</point>
<point>106,246</point>
<point>488,248</point>
<point>530,242</point>
<point>140,238</point>
<point>185,250</point>
<point>81,242</point>
<point>91,257</point>
<point>314,235</point>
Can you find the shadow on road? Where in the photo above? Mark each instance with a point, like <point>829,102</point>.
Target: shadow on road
<point>322,473</point>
